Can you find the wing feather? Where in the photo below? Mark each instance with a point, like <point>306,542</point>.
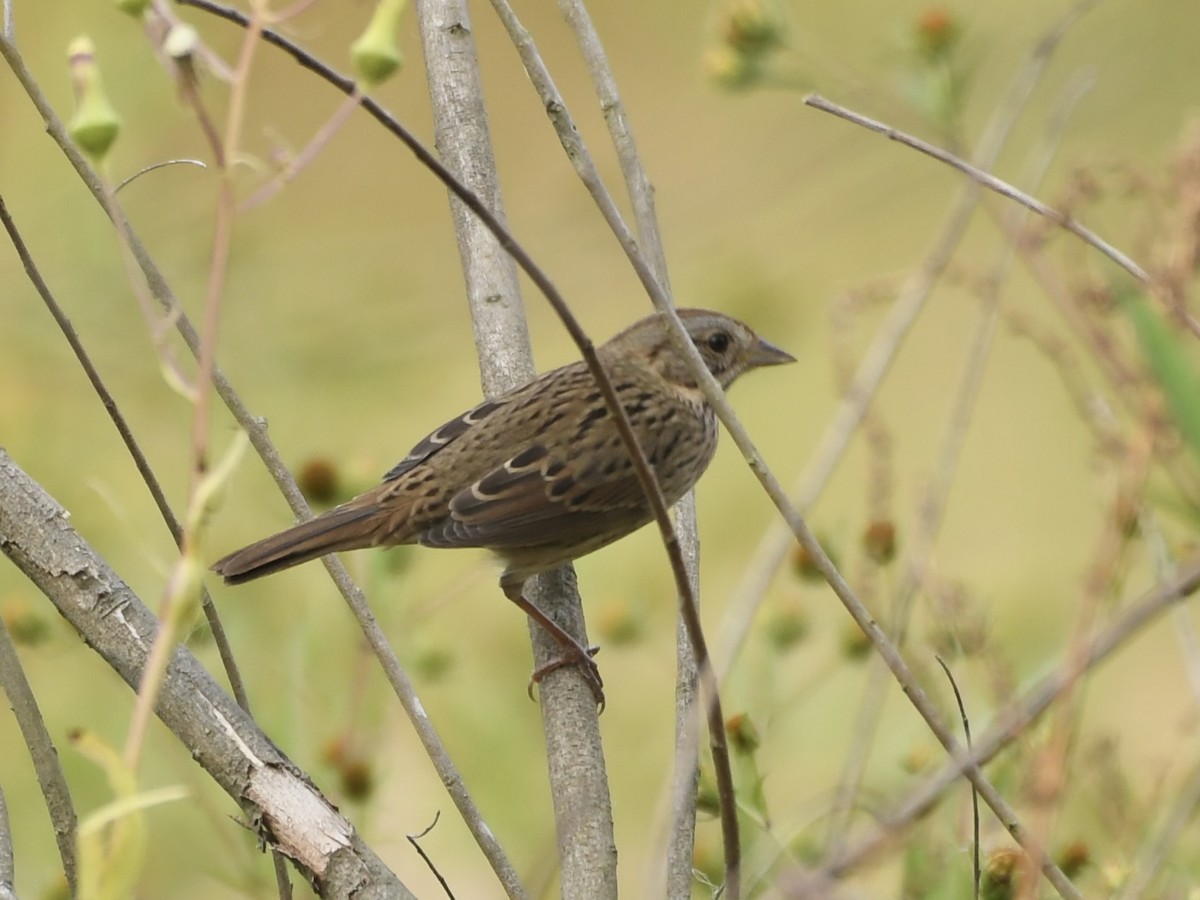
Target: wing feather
<point>542,502</point>
<point>440,437</point>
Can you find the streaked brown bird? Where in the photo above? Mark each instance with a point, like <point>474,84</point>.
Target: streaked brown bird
<point>540,475</point>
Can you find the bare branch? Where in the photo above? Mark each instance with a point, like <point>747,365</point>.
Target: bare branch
<point>7,867</point>
<point>278,798</point>
<point>42,752</point>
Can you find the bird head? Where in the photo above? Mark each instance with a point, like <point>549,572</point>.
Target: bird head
<point>727,346</point>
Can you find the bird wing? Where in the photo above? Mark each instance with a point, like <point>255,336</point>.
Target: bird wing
<point>536,498</point>
<point>440,437</point>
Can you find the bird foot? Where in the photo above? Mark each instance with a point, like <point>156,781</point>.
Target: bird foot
<point>581,657</point>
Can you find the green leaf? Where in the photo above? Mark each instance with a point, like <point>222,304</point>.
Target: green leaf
<point>1171,366</point>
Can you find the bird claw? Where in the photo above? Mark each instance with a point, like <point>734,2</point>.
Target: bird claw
<point>581,658</point>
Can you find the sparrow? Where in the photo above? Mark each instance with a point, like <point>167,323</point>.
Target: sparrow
<point>540,474</point>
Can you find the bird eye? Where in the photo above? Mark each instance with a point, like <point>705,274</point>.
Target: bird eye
<point>718,342</point>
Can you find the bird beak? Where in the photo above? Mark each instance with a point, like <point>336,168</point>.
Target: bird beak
<point>765,353</point>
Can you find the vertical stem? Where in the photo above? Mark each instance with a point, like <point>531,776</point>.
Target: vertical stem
<point>578,778</point>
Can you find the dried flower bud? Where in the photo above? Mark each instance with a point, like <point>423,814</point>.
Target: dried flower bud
<point>805,566</point>
<point>742,734</point>
<point>937,33</point>
<point>357,779</point>
<point>318,481</point>
<point>181,42</point>
<point>879,541</point>
<point>1000,874</point>
<point>1073,858</point>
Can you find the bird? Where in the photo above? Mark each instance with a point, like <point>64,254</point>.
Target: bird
<point>540,475</point>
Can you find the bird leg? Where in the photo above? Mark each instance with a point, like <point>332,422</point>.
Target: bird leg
<point>574,653</point>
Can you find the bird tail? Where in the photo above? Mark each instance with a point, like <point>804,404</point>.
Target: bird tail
<point>344,528</point>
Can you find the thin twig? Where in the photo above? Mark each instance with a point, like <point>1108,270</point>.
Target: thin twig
<point>153,167</point>
<point>305,157</point>
<point>414,839</point>
<point>1120,374</point>
<point>987,180</point>
<point>1153,855</point>
<point>1185,627</point>
<point>679,858</point>
<point>966,724</point>
<point>223,150</point>
<point>1049,770</point>
<point>8,871</point>
<point>51,780</point>
<point>213,618</point>
<point>1004,189</point>
<point>637,183</point>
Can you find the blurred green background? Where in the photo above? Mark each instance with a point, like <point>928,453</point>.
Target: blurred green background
<point>344,324</point>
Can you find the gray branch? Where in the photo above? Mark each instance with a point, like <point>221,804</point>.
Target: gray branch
<point>42,752</point>
<point>7,866</point>
<point>277,798</point>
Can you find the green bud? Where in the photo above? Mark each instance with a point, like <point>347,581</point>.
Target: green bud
<point>730,69</point>
<point>620,622</point>
<point>855,644</point>
<point>135,8</point>
<point>375,54</point>
<point>785,628</point>
<point>26,626</point>
<point>95,124</point>
<point>752,27</point>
